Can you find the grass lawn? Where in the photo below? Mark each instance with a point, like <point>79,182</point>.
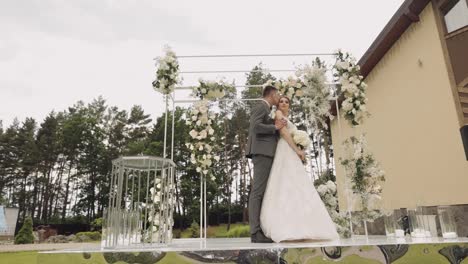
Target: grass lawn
<point>214,231</point>
<point>31,257</point>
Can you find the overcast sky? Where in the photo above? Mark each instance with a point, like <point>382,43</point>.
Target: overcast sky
<point>54,53</point>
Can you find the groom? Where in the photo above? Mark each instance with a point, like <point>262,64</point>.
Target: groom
<point>261,147</point>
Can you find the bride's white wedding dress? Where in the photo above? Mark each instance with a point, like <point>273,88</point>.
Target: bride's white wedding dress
<point>291,208</point>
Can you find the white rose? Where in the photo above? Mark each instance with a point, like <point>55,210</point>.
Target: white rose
<point>205,172</point>
<point>216,158</point>
<point>212,138</point>
<point>198,122</point>
<point>198,169</point>
<point>200,148</point>
<point>203,134</point>
<point>204,119</point>
<point>194,118</point>
<point>193,133</point>
<point>213,178</point>
<point>188,123</point>
<point>203,90</point>
<point>211,131</point>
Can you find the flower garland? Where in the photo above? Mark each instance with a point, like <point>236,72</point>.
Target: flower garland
<point>347,73</point>
<point>212,90</point>
<point>201,137</point>
<point>365,175</point>
<point>167,74</point>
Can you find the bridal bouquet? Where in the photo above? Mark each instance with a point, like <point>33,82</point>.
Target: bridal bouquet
<point>167,74</point>
<point>301,138</point>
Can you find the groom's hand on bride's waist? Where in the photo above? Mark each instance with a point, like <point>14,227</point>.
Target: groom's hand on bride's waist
<point>280,123</point>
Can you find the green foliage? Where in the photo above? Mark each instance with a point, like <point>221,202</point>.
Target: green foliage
<point>240,231</point>
<point>94,236</point>
<point>96,224</point>
<point>194,230</point>
<point>25,235</point>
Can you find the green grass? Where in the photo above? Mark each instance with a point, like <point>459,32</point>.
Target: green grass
<point>31,257</point>
<point>24,257</point>
<point>215,231</point>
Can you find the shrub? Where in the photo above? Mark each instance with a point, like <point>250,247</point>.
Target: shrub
<point>94,236</point>
<point>239,231</point>
<point>97,224</point>
<point>25,235</point>
<point>194,230</point>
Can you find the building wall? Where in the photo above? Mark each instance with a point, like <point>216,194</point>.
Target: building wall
<point>414,128</point>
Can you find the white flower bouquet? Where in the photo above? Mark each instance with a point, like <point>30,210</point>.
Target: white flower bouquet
<point>167,73</point>
<point>201,133</point>
<point>353,88</point>
<point>291,87</point>
<point>316,95</point>
<point>301,138</point>
<point>212,90</point>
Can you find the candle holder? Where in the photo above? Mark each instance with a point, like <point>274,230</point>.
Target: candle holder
<point>447,222</point>
<point>398,216</point>
<point>416,225</point>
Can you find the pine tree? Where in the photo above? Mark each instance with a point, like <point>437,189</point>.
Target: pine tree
<point>25,235</point>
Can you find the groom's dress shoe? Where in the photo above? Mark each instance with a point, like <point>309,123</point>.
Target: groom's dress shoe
<point>259,237</point>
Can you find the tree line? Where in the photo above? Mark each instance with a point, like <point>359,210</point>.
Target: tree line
<point>58,170</point>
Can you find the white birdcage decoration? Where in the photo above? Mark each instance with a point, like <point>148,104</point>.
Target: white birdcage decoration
<point>141,202</point>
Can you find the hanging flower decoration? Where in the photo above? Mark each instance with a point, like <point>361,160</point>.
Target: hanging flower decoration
<point>316,95</point>
<point>167,73</point>
<point>347,74</point>
<point>365,175</point>
<point>201,137</point>
<point>291,87</point>
<point>212,90</point>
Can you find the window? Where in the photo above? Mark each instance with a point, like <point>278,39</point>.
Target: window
<point>456,16</point>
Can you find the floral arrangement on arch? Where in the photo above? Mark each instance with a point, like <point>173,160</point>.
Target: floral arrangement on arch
<point>202,137</point>
<point>167,73</point>
<point>291,87</point>
<point>347,73</point>
<point>365,175</point>
<point>316,94</point>
<point>328,193</point>
<point>212,90</point>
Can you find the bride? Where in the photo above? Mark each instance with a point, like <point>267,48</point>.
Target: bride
<point>292,208</point>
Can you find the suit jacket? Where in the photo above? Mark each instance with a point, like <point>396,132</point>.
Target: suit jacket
<point>263,137</point>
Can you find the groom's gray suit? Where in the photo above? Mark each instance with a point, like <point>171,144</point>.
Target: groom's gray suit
<point>261,148</point>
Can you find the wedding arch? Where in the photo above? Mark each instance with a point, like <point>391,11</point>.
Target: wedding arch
<point>308,86</point>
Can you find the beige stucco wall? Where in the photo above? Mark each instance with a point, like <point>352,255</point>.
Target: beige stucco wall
<point>413,130</point>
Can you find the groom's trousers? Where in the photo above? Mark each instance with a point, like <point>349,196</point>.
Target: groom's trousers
<point>262,167</point>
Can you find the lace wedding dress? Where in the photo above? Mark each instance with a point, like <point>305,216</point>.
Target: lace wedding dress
<point>291,208</point>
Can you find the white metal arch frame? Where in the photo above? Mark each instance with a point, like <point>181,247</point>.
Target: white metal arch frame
<point>172,98</point>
